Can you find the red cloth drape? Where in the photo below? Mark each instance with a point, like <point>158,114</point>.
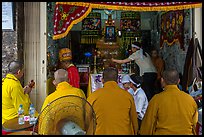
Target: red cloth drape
<point>69,13</point>
<point>65,17</point>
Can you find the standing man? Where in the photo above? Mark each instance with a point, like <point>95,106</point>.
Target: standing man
<point>171,112</point>
<point>140,98</point>
<point>159,65</point>
<point>147,69</point>
<point>65,56</point>
<point>114,107</point>
<point>13,94</point>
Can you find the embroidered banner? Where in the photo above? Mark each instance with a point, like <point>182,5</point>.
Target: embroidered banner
<point>96,81</point>
<point>130,21</point>
<point>92,22</point>
<point>172,28</point>
<point>130,25</point>
<point>66,16</point>
<point>69,13</point>
<point>91,28</point>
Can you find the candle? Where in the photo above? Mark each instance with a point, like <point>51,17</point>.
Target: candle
<point>94,59</point>
<point>95,72</point>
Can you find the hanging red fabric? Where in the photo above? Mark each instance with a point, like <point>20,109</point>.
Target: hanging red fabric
<point>65,17</point>
<point>69,13</point>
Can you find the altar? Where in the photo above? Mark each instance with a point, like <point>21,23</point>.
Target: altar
<point>109,46</point>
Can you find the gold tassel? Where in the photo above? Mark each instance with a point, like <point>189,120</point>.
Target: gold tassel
<point>134,8</point>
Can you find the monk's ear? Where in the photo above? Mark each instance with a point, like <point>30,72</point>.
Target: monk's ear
<point>102,80</point>
<point>54,82</point>
<point>19,71</point>
<point>162,80</point>
<point>178,81</point>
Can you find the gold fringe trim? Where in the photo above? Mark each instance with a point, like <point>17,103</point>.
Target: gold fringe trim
<point>134,8</point>
<point>84,4</point>
<point>170,44</point>
<point>155,8</point>
<point>59,36</point>
<point>113,7</point>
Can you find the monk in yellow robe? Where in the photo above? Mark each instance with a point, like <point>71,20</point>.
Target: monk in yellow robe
<point>13,94</point>
<point>171,112</point>
<point>114,107</point>
<point>63,88</point>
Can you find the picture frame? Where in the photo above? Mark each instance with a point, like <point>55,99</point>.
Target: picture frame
<point>7,16</point>
<point>110,34</point>
<point>84,71</point>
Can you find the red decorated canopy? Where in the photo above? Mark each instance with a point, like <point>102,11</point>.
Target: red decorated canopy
<point>69,13</point>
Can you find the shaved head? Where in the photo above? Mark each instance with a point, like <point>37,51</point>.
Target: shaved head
<point>110,74</point>
<point>171,77</point>
<point>61,75</point>
<point>15,66</point>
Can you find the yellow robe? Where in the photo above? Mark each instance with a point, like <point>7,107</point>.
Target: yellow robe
<point>171,112</point>
<point>63,89</point>
<point>12,96</point>
<point>66,109</point>
<point>115,110</point>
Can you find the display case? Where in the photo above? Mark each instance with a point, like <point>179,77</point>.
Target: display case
<point>84,71</point>
<point>106,51</point>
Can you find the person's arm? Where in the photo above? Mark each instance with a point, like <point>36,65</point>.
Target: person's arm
<point>149,120</point>
<point>139,102</point>
<point>121,61</point>
<point>160,68</point>
<point>18,97</point>
<point>195,116</point>
<point>28,88</point>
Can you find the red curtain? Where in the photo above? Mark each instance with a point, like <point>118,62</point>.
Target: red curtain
<point>69,13</point>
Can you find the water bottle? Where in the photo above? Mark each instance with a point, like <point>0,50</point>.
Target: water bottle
<point>32,114</point>
<point>21,115</point>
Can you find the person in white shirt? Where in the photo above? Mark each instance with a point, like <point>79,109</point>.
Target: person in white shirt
<point>147,69</point>
<point>141,101</point>
<point>125,84</point>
